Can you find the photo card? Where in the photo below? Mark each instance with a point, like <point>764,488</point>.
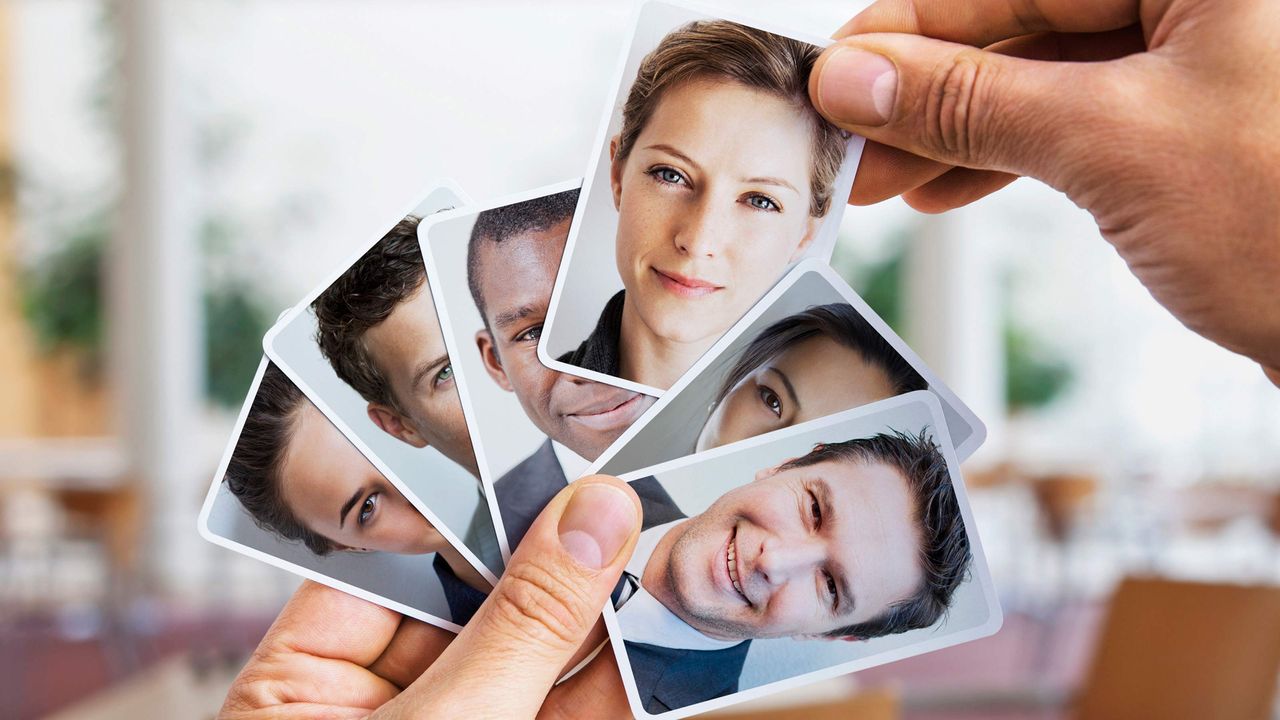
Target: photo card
<point>811,347</point>
<point>798,556</point>
<point>534,429</point>
<point>366,348</point>
<point>292,491</point>
<point>711,175</point>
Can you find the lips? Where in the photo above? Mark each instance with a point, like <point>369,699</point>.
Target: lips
<point>731,564</point>
<point>685,286</point>
<point>610,412</point>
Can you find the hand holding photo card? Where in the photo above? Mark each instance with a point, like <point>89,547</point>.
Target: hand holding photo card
<point>713,174</point>
<point>534,429</point>
<point>366,347</point>
<point>810,348</point>
<point>825,548</point>
<point>292,491</point>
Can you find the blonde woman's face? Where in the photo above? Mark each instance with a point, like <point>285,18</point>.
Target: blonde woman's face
<point>713,204</point>
<point>336,492</point>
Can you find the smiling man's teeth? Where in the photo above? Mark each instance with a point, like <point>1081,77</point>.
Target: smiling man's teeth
<point>733,567</point>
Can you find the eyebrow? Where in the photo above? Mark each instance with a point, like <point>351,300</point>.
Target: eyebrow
<point>346,507</point>
<point>846,603</point>
<point>786,383</point>
<point>672,151</point>
<point>779,182</point>
<point>425,369</point>
<point>504,319</point>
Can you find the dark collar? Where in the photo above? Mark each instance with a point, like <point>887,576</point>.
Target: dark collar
<point>600,351</point>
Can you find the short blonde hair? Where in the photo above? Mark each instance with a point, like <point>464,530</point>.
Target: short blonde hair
<point>758,60</point>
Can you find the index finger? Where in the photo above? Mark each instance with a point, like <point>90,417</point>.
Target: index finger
<point>983,22</point>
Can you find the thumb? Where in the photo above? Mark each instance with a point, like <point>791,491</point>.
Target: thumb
<point>963,106</point>
<point>506,659</point>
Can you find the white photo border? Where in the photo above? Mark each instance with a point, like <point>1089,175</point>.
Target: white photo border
<point>268,345</point>
<point>853,160</point>
<point>202,525</point>
<point>837,283</point>
<point>981,572</point>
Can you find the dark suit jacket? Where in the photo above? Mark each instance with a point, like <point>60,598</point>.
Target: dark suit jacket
<point>670,678</point>
<point>463,600</point>
<point>526,489</point>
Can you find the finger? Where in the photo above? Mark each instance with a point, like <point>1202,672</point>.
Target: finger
<point>1273,374</point>
<point>972,108</point>
<point>321,621</point>
<point>982,22</point>
<point>413,648</point>
<point>505,660</point>
<point>594,692</point>
<point>956,188</point>
<point>886,172</point>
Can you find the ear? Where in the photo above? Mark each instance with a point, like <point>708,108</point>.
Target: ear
<point>391,422</point>
<point>492,363</point>
<point>615,173</point>
<point>811,231</point>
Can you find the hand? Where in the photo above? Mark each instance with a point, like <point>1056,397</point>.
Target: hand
<point>1160,117</point>
<point>335,656</point>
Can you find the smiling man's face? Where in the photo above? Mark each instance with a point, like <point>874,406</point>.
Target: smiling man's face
<point>798,552</point>
<point>516,277</point>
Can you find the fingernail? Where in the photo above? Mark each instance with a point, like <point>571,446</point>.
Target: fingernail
<point>857,87</point>
<point>597,523</point>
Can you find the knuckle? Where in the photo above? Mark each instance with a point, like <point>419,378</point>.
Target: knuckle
<point>957,108</point>
<point>537,601</point>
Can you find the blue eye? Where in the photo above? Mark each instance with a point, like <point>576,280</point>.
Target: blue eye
<point>668,175</point>
<point>763,202</point>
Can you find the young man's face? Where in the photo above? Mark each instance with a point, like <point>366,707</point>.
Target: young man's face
<point>516,278</point>
<point>336,492</point>
<point>797,552</point>
<point>408,348</point>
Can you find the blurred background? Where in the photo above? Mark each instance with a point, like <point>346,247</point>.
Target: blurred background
<point>173,173</point>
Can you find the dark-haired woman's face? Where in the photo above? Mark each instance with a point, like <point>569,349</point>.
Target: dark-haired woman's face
<point>713,204</point>
<point>813,379</point>
<point>336,492</point>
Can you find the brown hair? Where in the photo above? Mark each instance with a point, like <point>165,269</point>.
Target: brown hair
<point>944,544</point>
<point>757,59</point>
<point>362,297</point>
<point>253,474</point>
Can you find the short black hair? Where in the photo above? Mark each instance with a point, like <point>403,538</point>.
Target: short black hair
<point>362,297</point>
<point>253,474</point>
<point>502,223</point>
<point>945,555</point>
<point>838,321</point>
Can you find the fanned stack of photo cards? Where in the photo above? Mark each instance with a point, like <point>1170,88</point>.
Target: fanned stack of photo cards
<point>798,462</point>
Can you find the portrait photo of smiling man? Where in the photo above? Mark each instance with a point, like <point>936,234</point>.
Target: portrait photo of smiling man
<point>859,539</point>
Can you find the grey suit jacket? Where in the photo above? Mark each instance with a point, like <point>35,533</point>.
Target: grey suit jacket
<point>526,489</point>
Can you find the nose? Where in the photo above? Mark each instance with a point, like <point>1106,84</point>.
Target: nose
<point>782,559</point>
<point>704,229</point>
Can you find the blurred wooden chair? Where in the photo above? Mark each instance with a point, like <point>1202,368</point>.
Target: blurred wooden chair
<point>870,704</point>
<point>1172,650</point>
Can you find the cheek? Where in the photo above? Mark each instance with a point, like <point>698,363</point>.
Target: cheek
<point>737,418</point>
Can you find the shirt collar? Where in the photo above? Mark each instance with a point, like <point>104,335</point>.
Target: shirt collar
<point>572,464</point>
<point>645,620</point>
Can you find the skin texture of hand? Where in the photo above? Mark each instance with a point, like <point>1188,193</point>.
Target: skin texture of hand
<point>331,655</point>
<point>1159,117</point>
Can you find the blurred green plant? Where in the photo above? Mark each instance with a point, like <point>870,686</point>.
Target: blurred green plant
<point>1035,375</point>
<point>62,288</point>
<point>62,300</point>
